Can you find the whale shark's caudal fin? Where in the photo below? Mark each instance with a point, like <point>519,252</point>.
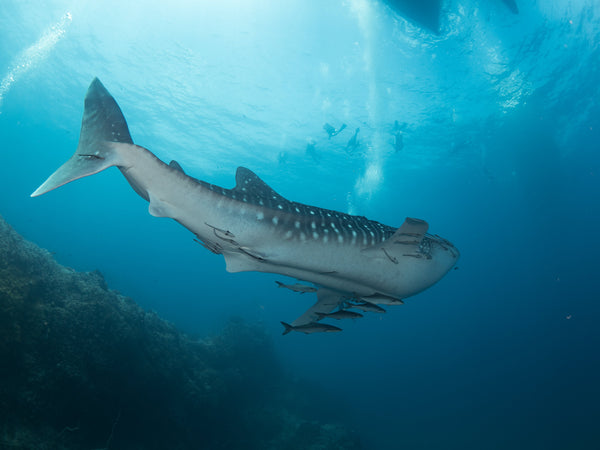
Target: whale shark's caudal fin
<point>102,124</point>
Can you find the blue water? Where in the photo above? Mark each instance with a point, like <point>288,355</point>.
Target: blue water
<point>501,156</point>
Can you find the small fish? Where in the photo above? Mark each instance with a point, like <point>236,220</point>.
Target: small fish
<point>381,299</point>
<point>339,315</point>
<point>312,327</point>
<point>367,307</point>
<point>302,288</point>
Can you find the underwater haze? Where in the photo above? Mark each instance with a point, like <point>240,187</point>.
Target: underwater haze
<point>489,130</point>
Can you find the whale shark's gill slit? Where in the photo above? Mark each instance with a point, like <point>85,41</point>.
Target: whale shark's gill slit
<point>416,255</point>
<point>416,239</point>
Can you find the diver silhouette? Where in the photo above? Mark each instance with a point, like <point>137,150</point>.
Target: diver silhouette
<point>331,131</point>
<point>353,142</point>
<point>397,130</point>
<point>311,150</point>
<point>398,141</point>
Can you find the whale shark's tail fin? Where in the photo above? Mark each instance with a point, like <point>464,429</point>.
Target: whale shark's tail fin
<point>102,124</point>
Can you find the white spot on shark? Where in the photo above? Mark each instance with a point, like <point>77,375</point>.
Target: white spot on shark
<point>275,220</point>
<point>260,216</point>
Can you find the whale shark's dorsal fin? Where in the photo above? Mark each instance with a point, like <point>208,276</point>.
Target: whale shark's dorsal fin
<point>247,182</point>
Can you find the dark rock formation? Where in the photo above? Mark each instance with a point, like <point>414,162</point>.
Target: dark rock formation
<point>85,367</point>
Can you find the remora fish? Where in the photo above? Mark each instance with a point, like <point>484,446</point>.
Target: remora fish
<point>311,327</point>
<point>340,314</point>
<point>297,287</point>
<point>255,228</point>
<point>382,300</point>
<point>367,307</point>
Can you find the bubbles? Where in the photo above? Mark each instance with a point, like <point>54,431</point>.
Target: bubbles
<point>370,182</point>
<point>34,54</point>
<point>324,69</point>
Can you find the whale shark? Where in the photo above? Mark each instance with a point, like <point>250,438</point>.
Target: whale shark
<point>346,257</point>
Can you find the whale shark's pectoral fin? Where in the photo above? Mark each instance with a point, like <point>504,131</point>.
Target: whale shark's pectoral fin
<point>406,241</point>
<point>244,259</point>
<point>327,301</point>
<point>159,207</point>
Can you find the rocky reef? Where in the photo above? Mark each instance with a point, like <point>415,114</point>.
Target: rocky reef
<point>85,367</point>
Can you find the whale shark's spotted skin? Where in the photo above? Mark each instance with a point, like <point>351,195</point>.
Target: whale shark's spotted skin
<point>302,221</point>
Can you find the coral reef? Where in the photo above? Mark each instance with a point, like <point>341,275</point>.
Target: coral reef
<point>85,367</point>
